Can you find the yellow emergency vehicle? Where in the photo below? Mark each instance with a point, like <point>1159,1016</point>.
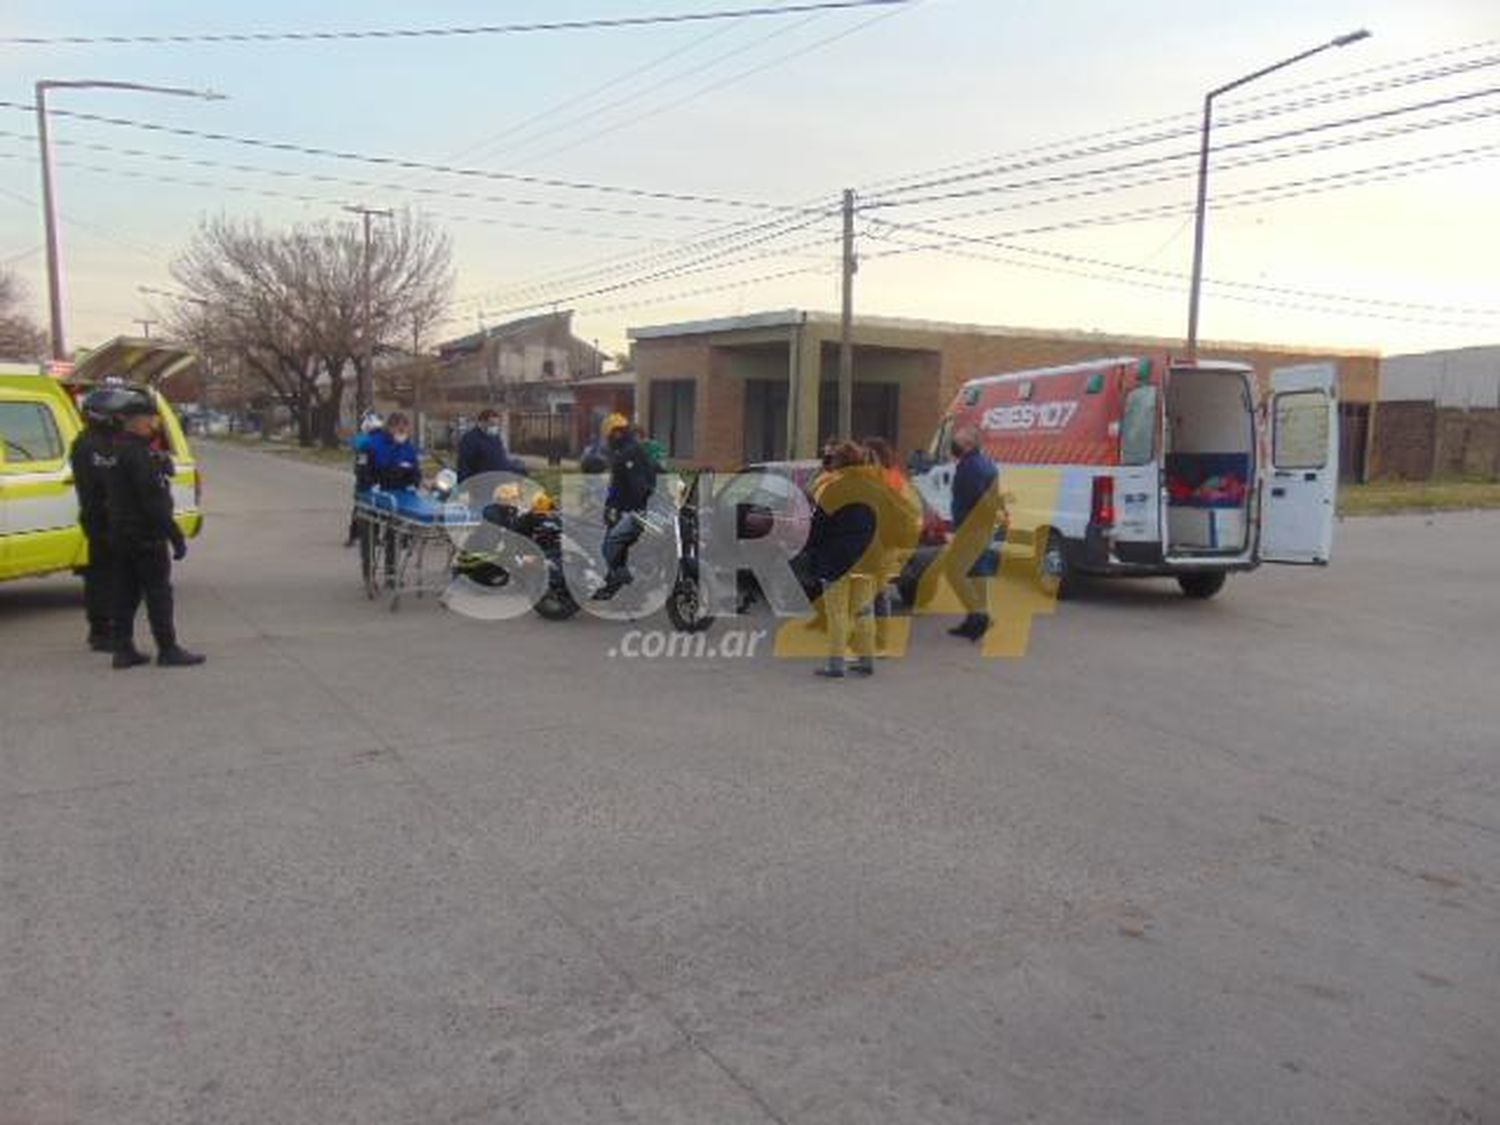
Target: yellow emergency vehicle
<point>39,418</point>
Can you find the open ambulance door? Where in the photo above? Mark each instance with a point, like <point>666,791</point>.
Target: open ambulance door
<point>1299,486</point>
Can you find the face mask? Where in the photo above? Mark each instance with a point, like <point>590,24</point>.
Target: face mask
<point>399,436</point>
<point>493,431</point>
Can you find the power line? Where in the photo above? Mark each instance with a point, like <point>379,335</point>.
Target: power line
<point>1272,193</point>
<point>1365,314</point>
<point>320,201</point>
<point>667,80</point>
<point>712,87</point>
<point>525,124</point>
<point>715,260</point>
<point>725,239</point>
<point>594,24</point>
<point>1428,75</point>
<point>1280,290</point>
<point>1131,183</point>
<point>346,181</point>
<point>1273,93</point>
<point>617,264</point>
<point>992,168</point>
<point>404,163</point>
<point>1143,162</point>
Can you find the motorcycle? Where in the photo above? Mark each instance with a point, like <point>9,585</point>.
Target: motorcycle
<point>495,562</point>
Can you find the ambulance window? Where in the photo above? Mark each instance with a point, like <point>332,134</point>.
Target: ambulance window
<point>1301,433</point>
<point>30,433</point>
<point>938,451</point>
<point>1138,427</point>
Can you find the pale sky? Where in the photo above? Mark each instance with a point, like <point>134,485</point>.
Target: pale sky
<point>790,111</point>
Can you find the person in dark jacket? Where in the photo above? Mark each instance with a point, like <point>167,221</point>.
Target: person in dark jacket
<point>843,556</point>
<point>632,479</point>
<point>482,449</point>
<point>976,510</point>
<point>138,491</point>
<point>90,458</point>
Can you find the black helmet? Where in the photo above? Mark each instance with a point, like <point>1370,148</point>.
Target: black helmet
<point>136,403</point>
<point>102,406</point>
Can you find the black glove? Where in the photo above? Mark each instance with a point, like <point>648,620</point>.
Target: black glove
<point>179,545</point>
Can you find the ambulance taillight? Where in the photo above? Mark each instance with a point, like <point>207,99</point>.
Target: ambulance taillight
<point>1102,503</point>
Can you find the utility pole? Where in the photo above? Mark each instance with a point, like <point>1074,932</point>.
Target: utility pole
<point>363,396</point>
<point>145,322</point>
<point>846,324</point>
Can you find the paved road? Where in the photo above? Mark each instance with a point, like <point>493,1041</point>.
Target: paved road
<point>1233,862</point>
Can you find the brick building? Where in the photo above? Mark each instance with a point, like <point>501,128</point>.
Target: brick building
<point>1438,415</point>
<point>723,393</point>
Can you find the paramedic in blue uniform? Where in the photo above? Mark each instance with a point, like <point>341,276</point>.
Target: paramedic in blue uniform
<point>364,476</point>
<point>394,460</point>
<point>395,466</point>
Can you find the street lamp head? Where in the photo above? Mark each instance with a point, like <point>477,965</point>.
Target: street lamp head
<point>1351,37</point>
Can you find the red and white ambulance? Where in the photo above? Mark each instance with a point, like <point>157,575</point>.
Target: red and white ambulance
<point>1162,467</point>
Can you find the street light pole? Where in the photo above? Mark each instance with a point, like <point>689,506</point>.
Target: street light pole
<point>363,384</point>
<point>846,325</point>
<point>1201,217</point>
<point>49,207</point>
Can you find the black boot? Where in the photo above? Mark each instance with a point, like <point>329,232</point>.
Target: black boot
<point>130,657</point>
<point>612,585</point>
<point>969,628</point>
<point>178,657</point>
<point>101,642</point>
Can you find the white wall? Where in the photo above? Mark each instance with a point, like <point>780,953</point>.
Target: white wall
<point>1463,377</point>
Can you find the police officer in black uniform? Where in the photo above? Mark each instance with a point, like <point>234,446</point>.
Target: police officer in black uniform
<point>91,457</point>
<point>142,530</point>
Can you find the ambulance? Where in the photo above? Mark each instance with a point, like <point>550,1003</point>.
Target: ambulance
<point>1153,467</point>
<point>39,418</point>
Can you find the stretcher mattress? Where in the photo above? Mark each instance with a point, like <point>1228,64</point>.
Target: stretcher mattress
<point>418,507</point>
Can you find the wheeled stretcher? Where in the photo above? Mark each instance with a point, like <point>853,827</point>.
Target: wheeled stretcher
<point>397,532</point>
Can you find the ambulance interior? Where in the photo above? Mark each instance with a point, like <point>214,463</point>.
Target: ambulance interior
<point>1210,461</point>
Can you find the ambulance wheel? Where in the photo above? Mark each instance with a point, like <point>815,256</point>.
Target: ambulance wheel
<point>1203,584</point>
<point>1052,564</point>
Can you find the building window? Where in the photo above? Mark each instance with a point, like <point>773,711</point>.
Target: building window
<point>672,406</point>
<point>765,419</point>
<point>876,411</point>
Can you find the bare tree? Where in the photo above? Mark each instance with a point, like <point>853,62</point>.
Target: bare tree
<point>289,305</point>
<point>20,338</point>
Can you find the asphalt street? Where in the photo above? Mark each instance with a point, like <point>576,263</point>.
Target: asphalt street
<point>1226,862</point>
